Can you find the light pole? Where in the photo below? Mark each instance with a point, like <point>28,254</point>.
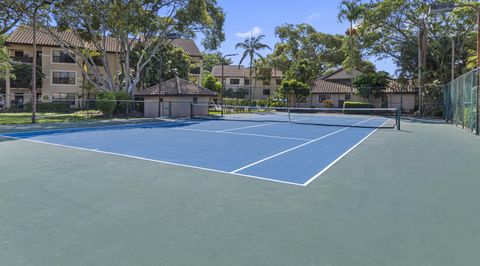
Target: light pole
<point>34,62</point>
<point>224,58</point>
<point>447,7</point>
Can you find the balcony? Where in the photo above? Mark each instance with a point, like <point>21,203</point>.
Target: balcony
<point>27,59</point>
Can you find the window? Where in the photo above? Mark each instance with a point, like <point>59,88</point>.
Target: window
<point>247,82</point>
<point>64,97</point>
<point>60,77</point>
<point>266,83</point>
<point>234,81</point>
<point>59,56</point>
<point>18,53</point>
<point>195,100</point>
<point>266,92</point>
<point>323,97</point>
<point>278,82</point>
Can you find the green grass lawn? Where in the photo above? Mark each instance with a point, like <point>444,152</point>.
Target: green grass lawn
<point>26,118</point>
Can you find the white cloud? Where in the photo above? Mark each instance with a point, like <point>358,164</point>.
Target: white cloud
<point>251,33</point>
<point>313,16</point>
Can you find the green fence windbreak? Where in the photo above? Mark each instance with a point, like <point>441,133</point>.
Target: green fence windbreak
<point>461,101</point>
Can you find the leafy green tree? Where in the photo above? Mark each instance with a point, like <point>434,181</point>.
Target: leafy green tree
<point>170,60</point>
<point>294,91</point>
<point>371,83</point>
<point>302,42</point>
<point>213,59</point>
<point>14,12</point>
<point>251,47</point>
<point>22,72</point>
<point>351,10</point>
<point>211,83</point>
<point>138,23</point>
<point>389,29</point>
<point>5,61</point>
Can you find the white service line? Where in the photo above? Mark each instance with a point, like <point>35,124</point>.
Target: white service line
<point>238,128</point>
<point>241,134</point>
<point>157,161</point>
<point>296,147</point>
<point>341,156</point>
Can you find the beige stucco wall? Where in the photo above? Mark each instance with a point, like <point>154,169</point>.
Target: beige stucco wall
<point>180,106</point>
<point>48,67</point>
<point>256,86</point>
<point>395,100</point>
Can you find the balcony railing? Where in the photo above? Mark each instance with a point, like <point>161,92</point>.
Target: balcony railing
<point>27,59</point>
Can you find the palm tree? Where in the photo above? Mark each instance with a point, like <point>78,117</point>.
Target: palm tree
<point>251,46</point>
<point>351,10</point>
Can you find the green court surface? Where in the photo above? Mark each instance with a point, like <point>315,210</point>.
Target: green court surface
<point>407,197</point>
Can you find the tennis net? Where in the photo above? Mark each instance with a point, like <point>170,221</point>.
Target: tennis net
<point>342,117</point>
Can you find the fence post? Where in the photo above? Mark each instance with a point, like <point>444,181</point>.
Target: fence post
<point>128,103</point>
<point>399,117</point>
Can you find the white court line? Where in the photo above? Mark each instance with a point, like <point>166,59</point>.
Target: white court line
<point>157,161</point>
<point>241,134</point>
<point>341,156</point>
<point>296,147</point>
<point>238,128</point>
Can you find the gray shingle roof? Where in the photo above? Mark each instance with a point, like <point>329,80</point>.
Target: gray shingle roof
<point>177,87</point>
<point>24,35</point>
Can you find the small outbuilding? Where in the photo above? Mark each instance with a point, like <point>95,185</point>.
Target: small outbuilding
<point>174,98</point>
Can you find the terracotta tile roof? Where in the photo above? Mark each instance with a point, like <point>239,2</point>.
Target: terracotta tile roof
<point>228,71</point>
<point>177,87</point>
<point>395,87</point>
<point>24,35</point>
<point>188,45</point>
<point>235,71</point>
<point>275,74</point>
<point>325,86</point>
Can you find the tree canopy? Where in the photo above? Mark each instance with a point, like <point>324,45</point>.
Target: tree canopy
<point>140,26</point>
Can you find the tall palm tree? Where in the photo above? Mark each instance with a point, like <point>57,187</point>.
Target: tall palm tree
<point>251,46</point>
<point>352,11</point>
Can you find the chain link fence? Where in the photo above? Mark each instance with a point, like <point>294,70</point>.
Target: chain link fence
<point>461,101</point>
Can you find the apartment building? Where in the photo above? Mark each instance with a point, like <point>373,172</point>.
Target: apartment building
<point>63,77</point>
<point>237,78</point>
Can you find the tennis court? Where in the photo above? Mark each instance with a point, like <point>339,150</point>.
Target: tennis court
<point>255,145</point>
<point>401,197</point>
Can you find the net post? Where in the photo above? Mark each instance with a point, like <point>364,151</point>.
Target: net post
<point>191,111</point>
<point>289,118</point>
<point>398,117</point>
<point>221,110</point>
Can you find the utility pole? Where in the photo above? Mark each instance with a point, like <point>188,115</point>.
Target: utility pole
<point>34,62</point>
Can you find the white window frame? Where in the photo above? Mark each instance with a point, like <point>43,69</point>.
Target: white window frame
<point>58,70</point>
<point>57,63</point>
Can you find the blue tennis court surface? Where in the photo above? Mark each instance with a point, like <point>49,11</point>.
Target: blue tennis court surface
<point>282,152</point>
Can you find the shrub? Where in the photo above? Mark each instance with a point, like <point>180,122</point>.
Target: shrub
<point>327,103</point>
<point>121,105</point>
<point>49,107</point>
<point>351,105</point>
<point>347,105</point>
<point>106,103</point>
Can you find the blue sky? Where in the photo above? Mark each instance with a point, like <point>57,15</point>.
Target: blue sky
<point>262,16</point>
